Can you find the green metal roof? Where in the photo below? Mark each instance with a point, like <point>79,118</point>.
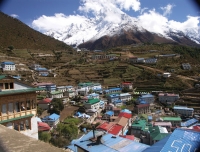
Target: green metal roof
<point>20,91</point>
<point>140,124</point>
<point>2,76</point>
<point>18,118</point>
<point>171,119</point>
<point>93,101</point>
<point>156,133</point>
<point>85,84</point>
<point>55,92</point>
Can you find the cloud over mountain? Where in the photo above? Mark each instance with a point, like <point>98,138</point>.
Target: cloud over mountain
<point>94,15</point>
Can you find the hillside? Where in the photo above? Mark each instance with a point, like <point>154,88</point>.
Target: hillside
<point>17,34</point>
<point>132,37</point>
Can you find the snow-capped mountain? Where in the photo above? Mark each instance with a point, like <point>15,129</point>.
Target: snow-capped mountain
<point>85,30</point>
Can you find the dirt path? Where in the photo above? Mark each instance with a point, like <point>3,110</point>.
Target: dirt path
<point>67,111</point>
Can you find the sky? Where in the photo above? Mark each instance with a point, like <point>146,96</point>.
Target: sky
<point>43,15</point>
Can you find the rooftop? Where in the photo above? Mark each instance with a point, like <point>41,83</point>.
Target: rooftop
<point>139,123</point>
<point>8,62</point>
<point>182,108</point>
<point>20,91</point>
<point>108,142</point>
<point>55,92</point>
<point>171,119</point>
<point>126,115</point>
<point>93,101</point>
<point>115,129</point>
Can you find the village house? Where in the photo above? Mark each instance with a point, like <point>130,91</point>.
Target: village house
<point>167,98</point>
<point>92,104</point>
<point>189,123</point>
<point>35,66</point>
<point>127,85</point>
<point>18,106</point>
<point>61,88</point>
<point>118,103</point>
<point>113,97</point>
<point>124,97</point>
<point>110,142</point>
<point>186,66</point>
<point>69,93</point>
<point>183,111</point>
<point>44,103</point>
<point>109,106</point>
<point>112,90</point>
<point>124,122</point>
<point>166,75</point>
<point>52,120</point>
<point>49,87</point>
<point>175,121</point>
<point>167,125</point>
<point>42,72</point>
<point>151,61</point>
<point>103,56</point>
<point>8,66</point>
<point>148,98</point>
<point>133,59</point>
<point>55,94</point>
<point>142,108</point>
<point>126,115</point>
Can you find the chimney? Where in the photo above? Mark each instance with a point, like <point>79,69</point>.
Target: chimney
<point>93,129</point>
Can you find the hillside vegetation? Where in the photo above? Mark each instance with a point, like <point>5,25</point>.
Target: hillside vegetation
<point>17,34</point>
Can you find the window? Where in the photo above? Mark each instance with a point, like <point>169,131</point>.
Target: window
<point>1,85</point>
<point>11,86</point>
<point>6,86</point>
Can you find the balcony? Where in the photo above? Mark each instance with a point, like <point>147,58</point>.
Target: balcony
<point>4,117</point>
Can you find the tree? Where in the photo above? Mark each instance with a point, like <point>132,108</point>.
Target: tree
<point>11,47</point>
<point>56,106</point>
<point>44,136</point>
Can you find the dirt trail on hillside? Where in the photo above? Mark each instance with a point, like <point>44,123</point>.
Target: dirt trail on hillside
<point>183,78</point>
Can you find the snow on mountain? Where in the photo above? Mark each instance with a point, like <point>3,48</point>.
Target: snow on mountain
<point>81,29</point>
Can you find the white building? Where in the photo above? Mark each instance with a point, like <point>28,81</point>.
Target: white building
<point>61,88</point>
<point>92,104</point>
<point>168,98</point>
<point>125,97</point>
<point>8,66</point>
<point>183,110</point>
<point>166,75</point>
<point>56,94</point>
<point>149,98</point>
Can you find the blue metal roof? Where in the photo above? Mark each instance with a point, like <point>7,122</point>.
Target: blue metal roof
<point>108,144</point>
<point>147,96</point>
<point>54,116</point>
<point>149,117</point>
<point>115,89</point>
<point>110,113</point>
<point>126,111</point>
<point>182,108</point>
<point>114,95</point>
<point>41,69</point>
<point>189,122</point>
<point>182,141</point>
<point>157,146</point>
<point>8,62</point>
<point>117,101</point>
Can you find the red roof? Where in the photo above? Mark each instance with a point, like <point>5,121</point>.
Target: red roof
<point>126,82</point>
<point>196,128</point>
<point>142,105</point>
<point>115,129</point>
<point>45,101</point>
<point>131,137</point>
<point>43,126</point>
<point>126,115</point>
<point>105,126</point>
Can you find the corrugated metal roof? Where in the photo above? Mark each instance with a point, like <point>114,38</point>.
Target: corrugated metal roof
<point>109,144</point>
<point>171,118</point>
<point>182,141</point>
<point>189,122</point>
<point>8,62</point>
<point>20,91</point>
<point>126,115</point>
<point>115,129</point>
<point>111,113</point>
<point>54,116</point>
<point>182,108</point>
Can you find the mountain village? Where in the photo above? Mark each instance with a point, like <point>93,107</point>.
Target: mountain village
<point>114,118</point>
